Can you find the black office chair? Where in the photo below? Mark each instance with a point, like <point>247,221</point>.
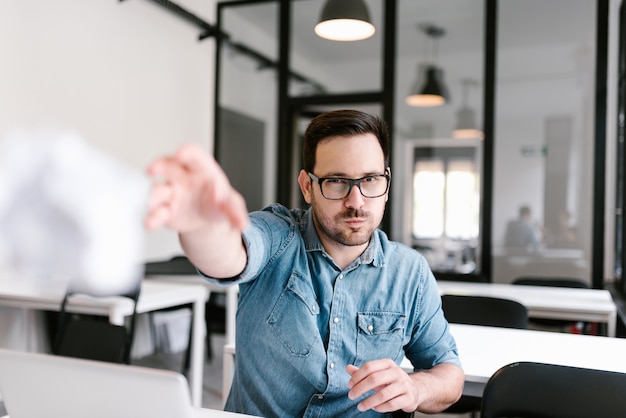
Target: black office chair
<point>538,390</point>
<point>94,337</point>
<point>560,324</point>
<point>486,311</point>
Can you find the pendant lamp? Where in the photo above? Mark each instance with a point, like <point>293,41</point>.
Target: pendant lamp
<point>466,126</point>
<point>430,89</point>
<point>345,20</point>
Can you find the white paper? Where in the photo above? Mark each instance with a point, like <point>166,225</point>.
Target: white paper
<point>69,210</point>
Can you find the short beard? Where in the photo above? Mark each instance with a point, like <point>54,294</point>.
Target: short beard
<point>336,234</point>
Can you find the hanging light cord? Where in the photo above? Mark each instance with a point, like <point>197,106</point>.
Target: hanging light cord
<point>434,33</point>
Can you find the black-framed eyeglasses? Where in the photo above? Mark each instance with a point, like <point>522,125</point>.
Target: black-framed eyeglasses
<point>337,188</point>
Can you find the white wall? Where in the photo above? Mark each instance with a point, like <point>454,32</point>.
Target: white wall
<point>129,77</point>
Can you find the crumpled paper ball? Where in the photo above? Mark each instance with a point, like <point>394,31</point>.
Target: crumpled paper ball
<point>68,210</point>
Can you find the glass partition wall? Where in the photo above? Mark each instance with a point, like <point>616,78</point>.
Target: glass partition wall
<point>247,99</point>
<point>522,71</point>
<point>438,177</point>
<point>544,143</point>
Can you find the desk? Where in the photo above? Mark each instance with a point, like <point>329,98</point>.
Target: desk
<point>48,294</point>
<point>214,413</point>
<point>232,295</point>
<point>484,350</point>
<point>205,413</point>
<point>589,305</point>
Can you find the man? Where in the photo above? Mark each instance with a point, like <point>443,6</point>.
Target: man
<point>328,306</point>
<point>520,232</point>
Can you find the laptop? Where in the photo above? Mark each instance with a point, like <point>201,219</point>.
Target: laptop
<point>35,385</point>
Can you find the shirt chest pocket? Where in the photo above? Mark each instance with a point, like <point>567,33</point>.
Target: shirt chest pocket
<point>293,318</point>
<point>379,335</point>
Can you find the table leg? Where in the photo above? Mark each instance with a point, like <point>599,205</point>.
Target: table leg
<point>197,353</point>
<point>612,325</point>
<point>232,299</point>
<point>228,371</point>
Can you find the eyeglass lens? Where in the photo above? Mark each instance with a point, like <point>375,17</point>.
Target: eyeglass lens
<point>338,188</point>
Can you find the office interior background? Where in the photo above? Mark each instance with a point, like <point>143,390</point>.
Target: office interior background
<point>136,79</point>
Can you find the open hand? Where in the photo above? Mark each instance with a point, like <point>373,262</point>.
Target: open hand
<point>190,191</point>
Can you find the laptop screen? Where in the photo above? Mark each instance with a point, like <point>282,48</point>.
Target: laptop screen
<point>35,385</point>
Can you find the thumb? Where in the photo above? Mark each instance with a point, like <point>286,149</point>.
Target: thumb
<point>351,369</point>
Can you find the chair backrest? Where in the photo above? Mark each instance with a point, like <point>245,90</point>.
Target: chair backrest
<point>94,338</point>
<point>551,281</point>
<point>176,265</point>
<point>483,310</point>
<point>537,390</point>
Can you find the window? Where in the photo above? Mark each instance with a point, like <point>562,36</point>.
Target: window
<point>445,203</point>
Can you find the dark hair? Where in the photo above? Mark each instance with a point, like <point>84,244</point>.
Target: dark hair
<point>524,211</point>
<point>342,123</point>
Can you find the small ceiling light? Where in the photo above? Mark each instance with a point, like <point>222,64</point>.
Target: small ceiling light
<point>466,127</point>
<point>345,20</point>
<point>429,90</point>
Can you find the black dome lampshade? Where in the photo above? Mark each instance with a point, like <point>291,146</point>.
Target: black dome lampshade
<point>345,20</point>
<point>466,126</point>
<point>430,92</point>
<point>430,89</point>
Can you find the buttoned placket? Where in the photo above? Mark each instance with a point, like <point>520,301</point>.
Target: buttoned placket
<point>335,334</point>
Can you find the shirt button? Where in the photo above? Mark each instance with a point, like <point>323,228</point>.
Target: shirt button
<point>320,397</point>
<point>332,365</point>
<point>335,320</point>
<point>341,277</point>
<point>370,327</point>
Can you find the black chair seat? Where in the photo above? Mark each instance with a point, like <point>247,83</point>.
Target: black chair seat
<point>538,390</point>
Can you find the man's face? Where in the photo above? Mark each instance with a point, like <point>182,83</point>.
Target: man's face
<point>350,221</point>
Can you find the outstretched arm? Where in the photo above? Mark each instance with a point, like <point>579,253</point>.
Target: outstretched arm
<point>192,196</point>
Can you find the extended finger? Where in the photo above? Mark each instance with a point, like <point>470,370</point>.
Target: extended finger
<point>384,399</point>
<point>166,169</point>
<point>366,370</point>
<point>372,376</point>
<point>157,217</point>
<point>160,194</point>
<point>194,158</point>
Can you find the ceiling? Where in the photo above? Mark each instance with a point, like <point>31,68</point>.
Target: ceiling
<point>523,22</point>
<point>522,25</point>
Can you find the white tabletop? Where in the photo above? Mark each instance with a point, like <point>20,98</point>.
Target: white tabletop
<point>47,294</point>
<point>214,413</point>
<point>205,413</point>
<point>592,305</point>
<point>484,350</point>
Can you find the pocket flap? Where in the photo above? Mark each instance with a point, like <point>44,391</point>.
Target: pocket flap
<point>373,323</point>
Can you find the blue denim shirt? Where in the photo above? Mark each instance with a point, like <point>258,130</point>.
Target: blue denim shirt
<point>301,319</point>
